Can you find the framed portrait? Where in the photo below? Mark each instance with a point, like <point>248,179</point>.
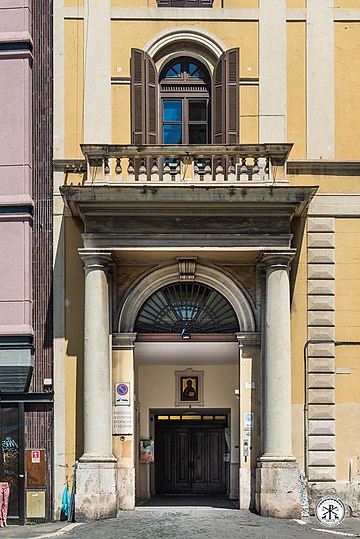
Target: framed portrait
<point>189,387</point>
<point>146,451</point>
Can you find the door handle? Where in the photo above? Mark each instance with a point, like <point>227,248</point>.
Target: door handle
<point>21,475</point>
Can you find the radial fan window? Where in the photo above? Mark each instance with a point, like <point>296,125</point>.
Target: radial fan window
<point>192,306</point>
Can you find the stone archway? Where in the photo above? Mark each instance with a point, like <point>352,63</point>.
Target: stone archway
<point>201,40</point>
<point>146,286</point>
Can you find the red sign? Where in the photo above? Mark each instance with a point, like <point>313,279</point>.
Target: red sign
<point>35,456</point>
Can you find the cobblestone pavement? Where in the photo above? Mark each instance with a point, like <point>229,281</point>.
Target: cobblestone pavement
<point>164,522</point>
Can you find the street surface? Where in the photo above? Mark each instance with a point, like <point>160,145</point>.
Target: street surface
<point>166,518</point>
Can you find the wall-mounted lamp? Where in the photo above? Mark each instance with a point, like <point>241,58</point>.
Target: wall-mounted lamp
<point>185,334</point>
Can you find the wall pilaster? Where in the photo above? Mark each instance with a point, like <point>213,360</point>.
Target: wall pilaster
<point>321,357</point>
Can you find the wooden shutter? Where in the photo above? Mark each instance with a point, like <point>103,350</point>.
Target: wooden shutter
<point>151,101</point>
<point>232,96</point>
<point>218,97</point>
<point>144,92</point>
<point>226,98</point>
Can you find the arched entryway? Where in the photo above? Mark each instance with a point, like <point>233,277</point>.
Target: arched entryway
<point>186,333</point>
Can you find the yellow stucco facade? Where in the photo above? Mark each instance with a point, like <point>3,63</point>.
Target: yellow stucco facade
<point>325,291</point>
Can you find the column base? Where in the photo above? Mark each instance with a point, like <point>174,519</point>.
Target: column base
<point>125,489</point>
<point>277,488</point>
<point>95,488</point>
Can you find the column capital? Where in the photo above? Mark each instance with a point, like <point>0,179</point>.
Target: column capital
<point>276,259</point>
<point>249,338</point>
<point>95,259</point>
<point>123,341</point>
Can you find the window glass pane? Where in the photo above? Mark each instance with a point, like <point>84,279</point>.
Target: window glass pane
<point>197,111</point>
<point>197,134</point>
<point>172,111</point>
<point>174,71</point>
<point>195,71</point>
<point>172,134</point>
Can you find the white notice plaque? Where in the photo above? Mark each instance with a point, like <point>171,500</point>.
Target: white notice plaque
<point>122,420</point>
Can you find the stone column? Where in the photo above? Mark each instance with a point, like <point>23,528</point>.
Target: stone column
<point>96,475</point>
<point>277,474</point>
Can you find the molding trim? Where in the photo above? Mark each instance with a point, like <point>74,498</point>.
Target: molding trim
<point>323,166</point>
<point>182,35</point>
<point>193,14</point>
<point>335,205</point>
<point>208,14</point>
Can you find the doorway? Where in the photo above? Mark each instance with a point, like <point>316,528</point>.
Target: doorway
<point>189,454</point>
<point>12,421</point>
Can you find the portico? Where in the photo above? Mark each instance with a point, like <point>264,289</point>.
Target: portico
<point>237,241</point>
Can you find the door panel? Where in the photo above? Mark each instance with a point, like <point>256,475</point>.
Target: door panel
<point>165,476</point>
<point>189,460</point>
<point>182,451</point>
<point>200,458</point>
<point>216,449</point>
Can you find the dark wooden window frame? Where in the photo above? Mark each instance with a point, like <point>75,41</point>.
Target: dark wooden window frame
<point>187,89</point>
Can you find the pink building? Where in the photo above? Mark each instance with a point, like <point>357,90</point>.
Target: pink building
<point>25,250</point>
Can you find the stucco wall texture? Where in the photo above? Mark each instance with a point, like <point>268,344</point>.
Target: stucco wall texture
<point>15,171</point>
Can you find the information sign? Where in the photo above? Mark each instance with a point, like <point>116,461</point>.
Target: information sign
<point>123,421</point>
<point>122,394</point>
<point>35,456</point>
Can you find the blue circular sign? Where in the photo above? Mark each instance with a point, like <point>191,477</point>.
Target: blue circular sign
<point>122,389</point>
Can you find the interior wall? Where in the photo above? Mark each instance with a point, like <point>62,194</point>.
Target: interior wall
<point>156,389</point>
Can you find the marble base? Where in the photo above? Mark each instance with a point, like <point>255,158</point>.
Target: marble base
<point>278,489</point>
<point>95,496</point>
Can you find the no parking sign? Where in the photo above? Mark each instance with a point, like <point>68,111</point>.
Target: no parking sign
<point>122,394</point>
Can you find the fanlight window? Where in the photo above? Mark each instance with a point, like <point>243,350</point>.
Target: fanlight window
<point>191,306</point>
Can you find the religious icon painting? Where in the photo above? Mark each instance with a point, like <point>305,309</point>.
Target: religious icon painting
<point>189,387</point>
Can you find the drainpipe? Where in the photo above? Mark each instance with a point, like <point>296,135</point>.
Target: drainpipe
<point>306,345</point>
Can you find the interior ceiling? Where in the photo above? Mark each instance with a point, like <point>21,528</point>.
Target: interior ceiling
<point>186,353</point>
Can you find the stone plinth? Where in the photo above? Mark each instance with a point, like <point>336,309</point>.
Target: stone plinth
<point>95,489</point>
<point>278,490</point>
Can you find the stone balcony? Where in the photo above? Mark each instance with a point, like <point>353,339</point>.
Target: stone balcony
<point>242,164</point>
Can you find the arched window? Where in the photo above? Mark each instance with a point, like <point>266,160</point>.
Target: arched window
<point>185,103</point>
<point>185,111</point>
<point>191,306</point>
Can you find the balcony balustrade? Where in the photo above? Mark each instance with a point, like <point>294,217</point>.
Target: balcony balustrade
<point>255,164</point>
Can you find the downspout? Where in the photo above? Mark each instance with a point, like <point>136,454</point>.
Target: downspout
<point>306,345</point>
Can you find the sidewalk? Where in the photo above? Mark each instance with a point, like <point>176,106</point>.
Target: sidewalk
<point>39,531</point>
<point>350,527</point>
<point>140,521</point>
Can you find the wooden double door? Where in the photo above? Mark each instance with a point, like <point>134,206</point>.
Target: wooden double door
<point>189,459</point>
